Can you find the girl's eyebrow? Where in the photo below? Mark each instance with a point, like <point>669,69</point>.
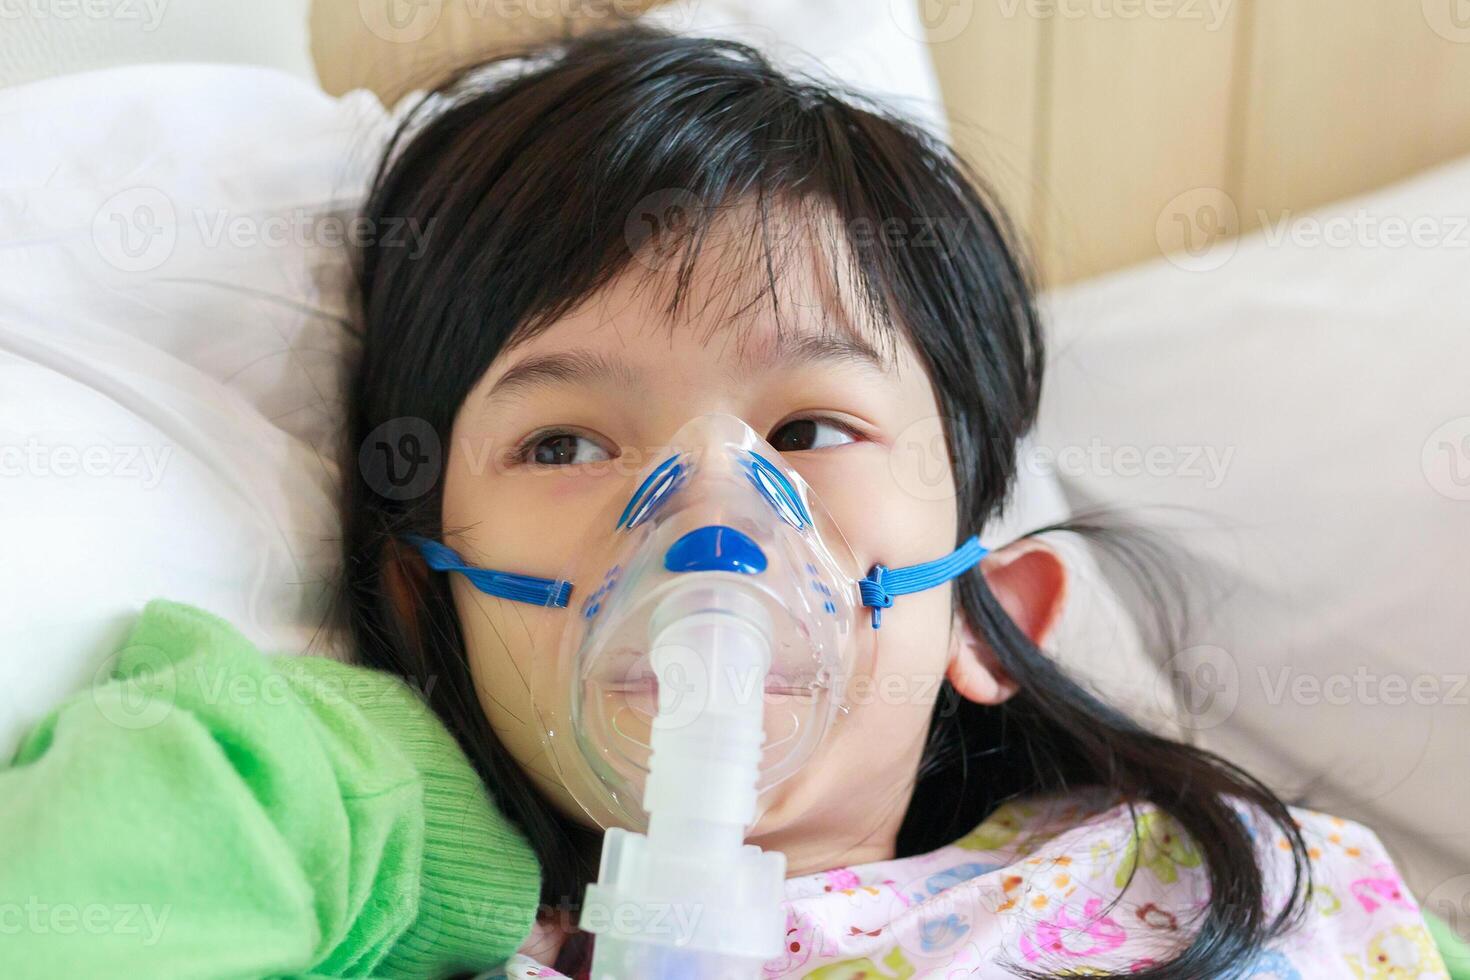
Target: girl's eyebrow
<point>576,366</point>
<point>579,366</point>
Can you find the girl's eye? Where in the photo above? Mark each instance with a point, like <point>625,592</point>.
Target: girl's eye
<point>800,435</point>
<point>563,449</point>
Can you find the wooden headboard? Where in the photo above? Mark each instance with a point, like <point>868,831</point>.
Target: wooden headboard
<point>1115,130</point>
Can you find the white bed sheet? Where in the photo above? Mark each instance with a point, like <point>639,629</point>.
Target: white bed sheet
<point>1306,395</point>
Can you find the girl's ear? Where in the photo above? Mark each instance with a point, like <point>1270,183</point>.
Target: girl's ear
<point>1030,583</point>
<point>404,575</point>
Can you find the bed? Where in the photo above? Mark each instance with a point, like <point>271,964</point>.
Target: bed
<point>1290,406</point>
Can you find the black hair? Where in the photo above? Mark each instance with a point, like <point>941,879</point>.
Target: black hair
<point>521,171</point>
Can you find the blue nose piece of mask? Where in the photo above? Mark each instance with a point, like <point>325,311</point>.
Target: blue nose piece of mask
<point>715,548</point>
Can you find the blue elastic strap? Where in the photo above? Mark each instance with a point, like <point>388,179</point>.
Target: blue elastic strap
<point>882,583</point>
<point>506,585</point>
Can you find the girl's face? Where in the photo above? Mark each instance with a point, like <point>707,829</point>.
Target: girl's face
<point>532,464</point>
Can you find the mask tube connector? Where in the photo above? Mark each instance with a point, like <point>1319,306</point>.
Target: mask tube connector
<point>690,898</point>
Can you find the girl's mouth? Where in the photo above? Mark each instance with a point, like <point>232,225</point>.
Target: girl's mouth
<point>647,686</point>
<point>637,680</point>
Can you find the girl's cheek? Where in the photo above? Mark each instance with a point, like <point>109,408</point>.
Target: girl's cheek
<point>588,487</point>
<point>541,493</point>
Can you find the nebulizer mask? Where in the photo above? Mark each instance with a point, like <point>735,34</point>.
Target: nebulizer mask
<point>700,671</point>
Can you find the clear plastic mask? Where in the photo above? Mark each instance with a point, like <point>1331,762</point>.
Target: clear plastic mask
<point>717,506</point>
<point>718,503</point>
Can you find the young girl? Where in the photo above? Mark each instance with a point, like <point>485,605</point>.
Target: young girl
<point>622,233</point>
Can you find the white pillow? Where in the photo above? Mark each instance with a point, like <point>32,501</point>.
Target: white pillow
<point>875,46</point>
<point>172,298</point>
<point>1306,392</point>
<point>62,37</point>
